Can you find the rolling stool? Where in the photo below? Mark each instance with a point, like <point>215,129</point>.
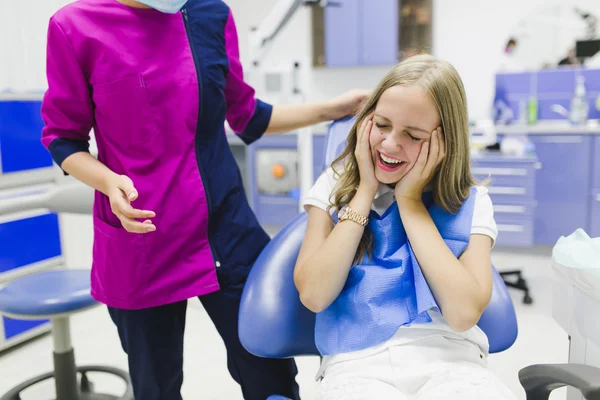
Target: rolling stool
<point>55,295</point>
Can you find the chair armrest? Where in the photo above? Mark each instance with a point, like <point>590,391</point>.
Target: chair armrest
<point>539,380</point>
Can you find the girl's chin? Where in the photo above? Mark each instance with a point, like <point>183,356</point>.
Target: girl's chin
<point>387,178</point>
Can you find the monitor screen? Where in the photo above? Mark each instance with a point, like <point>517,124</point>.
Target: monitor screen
<point>587,48</point>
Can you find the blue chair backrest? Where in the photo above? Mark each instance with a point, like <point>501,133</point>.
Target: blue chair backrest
<point>273,322</point>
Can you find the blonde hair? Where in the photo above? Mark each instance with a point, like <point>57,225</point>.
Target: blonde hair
<point>452,181</point>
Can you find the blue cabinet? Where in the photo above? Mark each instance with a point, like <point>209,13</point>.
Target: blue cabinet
<point>361,33</point>
<point>562,185</point>
<point>512,190</point>
<point>28,240</point>
<point>15,327</point>
<point>20,133</point>
<point>379,32</point>
<point>342,34</point>
<point>274,198</point>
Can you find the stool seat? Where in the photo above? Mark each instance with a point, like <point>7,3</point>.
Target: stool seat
<point>47,293</point>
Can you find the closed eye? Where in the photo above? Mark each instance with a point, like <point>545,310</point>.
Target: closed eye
<point>413,138</point>
<point>381,126</point>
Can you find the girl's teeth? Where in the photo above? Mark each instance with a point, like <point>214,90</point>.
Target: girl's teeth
<point>389,160</point>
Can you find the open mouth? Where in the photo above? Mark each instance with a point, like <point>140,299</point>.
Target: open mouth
<point>388,163</point>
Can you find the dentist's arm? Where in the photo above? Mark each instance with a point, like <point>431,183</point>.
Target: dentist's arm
<point>288,117</point>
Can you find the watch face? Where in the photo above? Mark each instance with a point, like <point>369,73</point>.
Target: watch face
<point>342,212</point>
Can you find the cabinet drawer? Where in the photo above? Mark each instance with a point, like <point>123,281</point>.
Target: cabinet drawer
<point>29,240</point>
<point>515,231</point>
<point>514,210</point>
<point>505,176</point>
<point>511,194</point>
<point>276,210</point>
<point>504,180</point>
<point>514,178</point>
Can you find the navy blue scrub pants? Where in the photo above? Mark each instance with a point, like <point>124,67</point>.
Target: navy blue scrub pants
<point>153,341</point>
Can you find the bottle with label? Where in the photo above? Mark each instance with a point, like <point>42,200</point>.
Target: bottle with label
<point>532,111</point>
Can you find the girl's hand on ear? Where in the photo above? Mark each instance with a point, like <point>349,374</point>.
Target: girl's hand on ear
<point>364,158</point>
<point>432,153</point>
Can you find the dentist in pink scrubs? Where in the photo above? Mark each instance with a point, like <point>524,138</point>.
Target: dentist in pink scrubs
<point>156,80</point>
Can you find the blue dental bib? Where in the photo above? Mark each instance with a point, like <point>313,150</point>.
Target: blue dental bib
<point>389,290</point>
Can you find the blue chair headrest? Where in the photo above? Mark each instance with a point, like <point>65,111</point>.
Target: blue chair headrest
<point>336,139</point>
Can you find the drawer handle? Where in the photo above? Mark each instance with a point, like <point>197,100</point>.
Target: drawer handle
<point>506,190</point>
<point>500,171</point>
<point>538,165</point>
<point>510,209</point>
<point>510,228</point>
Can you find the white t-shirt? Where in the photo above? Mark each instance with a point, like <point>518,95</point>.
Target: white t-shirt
<point>483,223</point>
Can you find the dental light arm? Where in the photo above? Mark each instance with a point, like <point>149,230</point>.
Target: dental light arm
<point>262,37</point>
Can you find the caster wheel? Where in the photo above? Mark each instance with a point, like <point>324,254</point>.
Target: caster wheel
<point>527,300</point>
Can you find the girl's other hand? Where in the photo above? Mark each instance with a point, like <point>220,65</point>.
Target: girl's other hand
<point>432,153</point>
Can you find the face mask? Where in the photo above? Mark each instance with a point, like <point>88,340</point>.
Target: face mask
<point>166,6</point>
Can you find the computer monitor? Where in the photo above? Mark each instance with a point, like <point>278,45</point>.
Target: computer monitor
<point>587,48</point>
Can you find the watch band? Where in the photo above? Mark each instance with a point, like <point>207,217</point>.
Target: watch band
<point>349,214</point>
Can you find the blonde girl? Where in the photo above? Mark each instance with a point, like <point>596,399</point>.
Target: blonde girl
<point>396,258</point>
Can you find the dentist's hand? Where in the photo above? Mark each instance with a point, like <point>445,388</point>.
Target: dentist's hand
<point>121,193</point>
<point>346,104</point>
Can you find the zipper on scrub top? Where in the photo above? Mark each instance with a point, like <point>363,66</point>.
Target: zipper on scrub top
<point>199,76</point>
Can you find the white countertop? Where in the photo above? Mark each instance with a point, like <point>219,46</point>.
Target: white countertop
<point>547,127</point>
<point>25,96</point>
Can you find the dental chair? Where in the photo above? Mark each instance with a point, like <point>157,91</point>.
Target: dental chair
<point>273,323</point>
<point>56,295</point>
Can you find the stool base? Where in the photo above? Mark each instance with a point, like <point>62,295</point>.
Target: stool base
<point>84,392</point>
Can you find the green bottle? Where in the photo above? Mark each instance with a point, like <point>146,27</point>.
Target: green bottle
<point>532,111</point>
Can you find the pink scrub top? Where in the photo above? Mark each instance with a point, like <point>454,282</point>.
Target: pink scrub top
<point>156,89</point>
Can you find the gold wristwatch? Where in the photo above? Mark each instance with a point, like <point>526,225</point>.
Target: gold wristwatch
<point>347,213</point>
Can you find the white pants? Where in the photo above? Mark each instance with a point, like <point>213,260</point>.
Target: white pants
<point>427,369</point>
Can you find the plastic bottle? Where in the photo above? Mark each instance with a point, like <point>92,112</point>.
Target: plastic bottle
<point>579,104</point>
<point>532,111</point>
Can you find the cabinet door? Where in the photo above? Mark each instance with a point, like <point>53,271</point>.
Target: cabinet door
<point>595,217</point>
<point>596,162</point>
<point>562,185</point>
<point>20,132</point>
<point>342,34</point>
<point>379,32</point>
<point>29,240</point>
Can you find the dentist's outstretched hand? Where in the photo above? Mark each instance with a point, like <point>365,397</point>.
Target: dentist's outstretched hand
<point>346,104</point>
<point>121,193</point>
